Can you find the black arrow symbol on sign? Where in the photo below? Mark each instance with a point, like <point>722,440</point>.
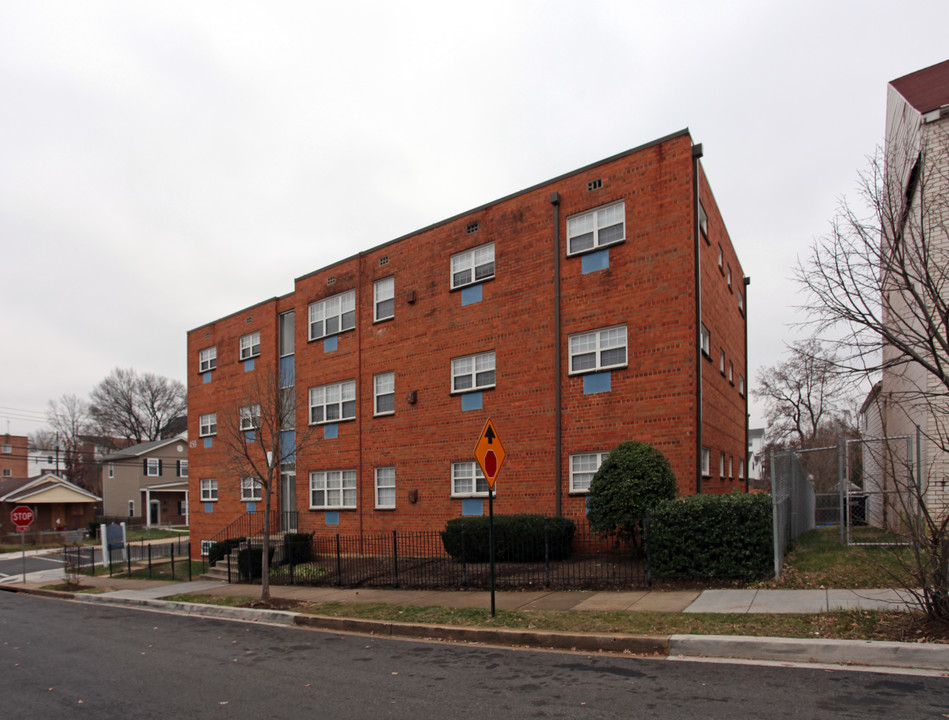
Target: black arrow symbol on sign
<point>489,434</point>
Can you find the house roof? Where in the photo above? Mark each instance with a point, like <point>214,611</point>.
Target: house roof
<point>32,489</point>
<point>143,448</point>
<point>926,89</point>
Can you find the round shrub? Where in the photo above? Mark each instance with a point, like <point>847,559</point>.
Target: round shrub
<point>634,478</point>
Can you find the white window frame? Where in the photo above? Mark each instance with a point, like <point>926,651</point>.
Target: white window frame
<point>206,547</point>
<point>207,425</point>
<point>250,345</point>
<point>596,222</point>
<point>597,342</point>
<point>721,464</point>
<point>728,274</point>
<point>6,449</point>
<point>721,361</point>
<point>383,386</point>
<point>152,467</point>
<point>721,260</point>
<point>705,341</point>
<point>249,418</point>
<point>383,299</point>
<point>207,359</point>
<point>7,472</point>
<point>731,466</point>
<point>208,489</point>
<point>183,468</point>
<point>706,462</point>
<point>385,481</point>
<point>703,222</point>
<point>592,461</point>
<point>338,488</point>
<point>741,385</point>
<point>731,372</point>
<point>252,489</point>
<point>480,370</point>
<point>131,508</point>
<point>341,396</point>
<point>469,472</point>
<point>741,302</point>
<point>472,261</point>
<point>741,468</point>
<point>340,307</point>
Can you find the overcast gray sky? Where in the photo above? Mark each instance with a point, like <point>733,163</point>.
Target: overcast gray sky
<point>166,163</point>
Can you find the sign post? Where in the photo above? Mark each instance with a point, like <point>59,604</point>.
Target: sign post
<point>22,518</point>
<point>490,454</point>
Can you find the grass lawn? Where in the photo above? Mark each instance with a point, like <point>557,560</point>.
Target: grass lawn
<point>819,560</point>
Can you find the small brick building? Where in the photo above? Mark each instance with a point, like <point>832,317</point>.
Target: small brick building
<point>603,305</point>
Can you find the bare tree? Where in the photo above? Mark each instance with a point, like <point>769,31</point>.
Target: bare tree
<point>260,440</point>
<point>804,394</point>
<point>69,419</point>
<point>139,408</point>
<point>879,283</point>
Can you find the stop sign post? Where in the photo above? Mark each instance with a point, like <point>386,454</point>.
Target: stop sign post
<point>22,518</point>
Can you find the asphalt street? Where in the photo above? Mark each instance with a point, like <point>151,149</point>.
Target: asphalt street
<point>69,659</point>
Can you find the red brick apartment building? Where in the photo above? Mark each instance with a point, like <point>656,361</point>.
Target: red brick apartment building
<point>601,306</point>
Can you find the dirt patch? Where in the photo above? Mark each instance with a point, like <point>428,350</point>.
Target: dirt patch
<point>277,604</point>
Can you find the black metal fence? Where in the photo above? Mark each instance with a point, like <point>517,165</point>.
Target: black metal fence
<point>419,560</point>
<point>171,558</point>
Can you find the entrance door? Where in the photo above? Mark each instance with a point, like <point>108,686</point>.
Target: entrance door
<point>288,500</point>
<point>153,512</point>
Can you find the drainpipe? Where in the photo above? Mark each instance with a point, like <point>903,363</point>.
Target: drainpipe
<point>696,156</point>
<point>747,389</point>
<point>359,382</point>
<point>558,470</point>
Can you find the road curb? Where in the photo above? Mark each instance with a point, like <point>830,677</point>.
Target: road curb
<point>865,653</point>
<point>873,653</point>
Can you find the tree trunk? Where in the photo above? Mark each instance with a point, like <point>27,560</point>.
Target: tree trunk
<point>265,556</point>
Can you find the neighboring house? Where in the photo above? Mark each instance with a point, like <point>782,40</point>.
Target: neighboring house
<point>148,483</point>
<point>755,452</point>
<point>917,157</point>
<point>56,503</point>
<point>14,456</point>
<point>605,305</point>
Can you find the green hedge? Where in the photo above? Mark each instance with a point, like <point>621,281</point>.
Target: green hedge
<point>517,538</point>
<point>250,562</point>
<point>298,547</point>
<point>712,536</point>
<point>221,549</point>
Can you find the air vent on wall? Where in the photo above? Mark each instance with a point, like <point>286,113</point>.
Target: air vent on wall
<point>384,260</point>
<point>331,280</point>
<point>595,184</point>
<point>472,227</point>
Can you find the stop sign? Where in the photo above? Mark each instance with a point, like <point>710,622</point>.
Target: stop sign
<point>22,517</point>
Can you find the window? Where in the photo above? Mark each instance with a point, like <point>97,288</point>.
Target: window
<point>472,266</point>
<point>206,547</point>
<point>741,302</point>
<point>385,487</point>
<point>252,490</point>
<point>705,338</point>
<point>182,468</point>
<point>6,449</point>
<point>706,461</point>
<point>384,297</point>
<point>721,260</point>
<point>596,229</point>
<point>333,489</point>
<point>598,350</point>
<point>250,417</point>
<point>285,334</point>
<point>333,315</point>
<point>728,274</point>
<point>731,372</point>
<point>721,362</point>
<point>384,393</point>
<point>741,468</point>
<point>473,372</point>
<point>467,480</point>
<point>741,385</point>
<point>721,465</point>
<point>332,403</point>
<point>207,425</point>
<point>152,467</point>
<point>250,346</point>
<point>207,359</point>
<point>583,467</point>
<point>131,508</point>
<point>182,507</point>
<point>208,490</point>
<point>703,222</point>
<point>7,472</point>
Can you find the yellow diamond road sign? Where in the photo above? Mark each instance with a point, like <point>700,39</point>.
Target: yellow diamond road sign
<point>490,453</point>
